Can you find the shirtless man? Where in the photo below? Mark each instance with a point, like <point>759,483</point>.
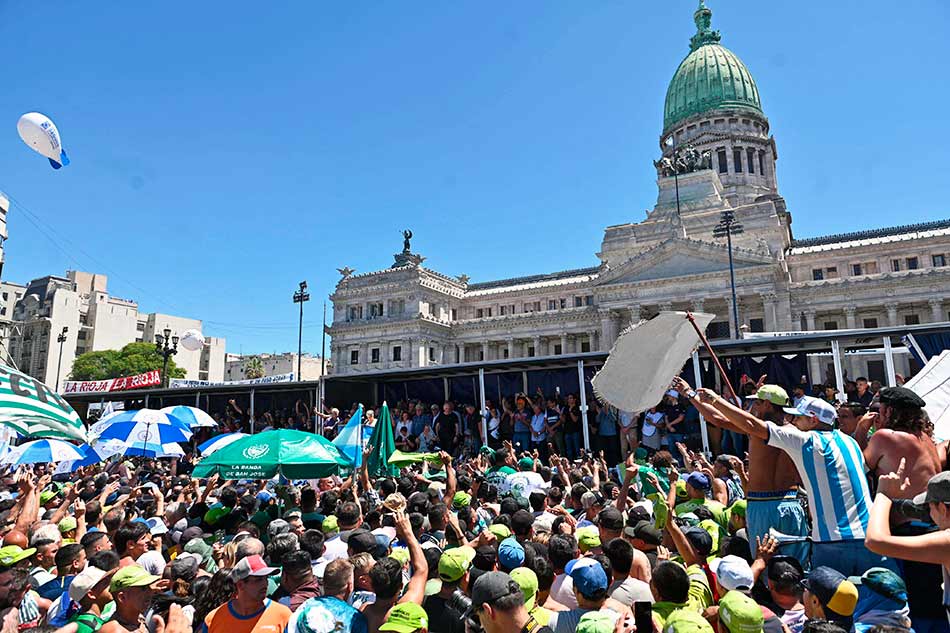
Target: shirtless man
<point>773,479</point>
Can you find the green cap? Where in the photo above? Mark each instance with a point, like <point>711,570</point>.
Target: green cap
<point>499,530</point>
<point>454,563</point>
<point>406,617</point>
<point>587,538</point>
<point>738,508</point>
<point>772,393</point>
<point>46,496</point>
<point>461,500</point>
<point>67,524</point>
<point>681,494</point>
<point>528,581</point>
<point>740,613</point>
<point>596,622</point>
<point>401,554</point>
<point>487,451</point>
<point>433,586</point>
<point>526,463</point>
<point>330,525</point>
<point>131,576</point>
<point>10,555</point>
<point>640,453</point>
<point>686,621</point>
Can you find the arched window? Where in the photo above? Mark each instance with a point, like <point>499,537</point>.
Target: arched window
<point>750,153</point>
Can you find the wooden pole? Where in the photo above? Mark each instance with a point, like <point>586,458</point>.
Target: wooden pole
<point>722,372</point>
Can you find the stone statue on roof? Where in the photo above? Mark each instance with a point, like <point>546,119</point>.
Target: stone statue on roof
<point>407,235</point>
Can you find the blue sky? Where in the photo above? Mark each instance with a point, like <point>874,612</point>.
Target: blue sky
<point>222,152</point>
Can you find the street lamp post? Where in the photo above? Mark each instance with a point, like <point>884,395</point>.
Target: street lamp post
<point>300,297</point>
<point>59,364</point>
<point>166,350</point>
<point>729,226</point>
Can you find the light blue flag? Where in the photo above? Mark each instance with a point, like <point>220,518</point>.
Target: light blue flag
<point>350,438</point>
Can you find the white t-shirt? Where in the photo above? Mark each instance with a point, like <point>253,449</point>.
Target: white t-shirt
<point>335,548</point>
<point>524,483</point>
<point>562,591</point>
<point>153,562</point>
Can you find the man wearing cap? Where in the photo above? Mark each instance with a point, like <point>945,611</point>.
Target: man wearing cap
<point>250,609</point>
<point>772,498</point>
<point>14,582</point>
<point>829,596</point>
<point>454,567</point>
<point>132,589</point>
<point>90,590</point>
<point>528,581</point>
<point>738,613</point>
<point>498,605</point>
<point>925,548</point>
<point>590,590</point>
<point>526,480</point>
<point>698,485</point>
<point>785,575</point>
<point>407,617</point>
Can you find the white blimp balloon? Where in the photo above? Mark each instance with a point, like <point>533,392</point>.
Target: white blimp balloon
<point>41,135</point>
<point>192,340</point>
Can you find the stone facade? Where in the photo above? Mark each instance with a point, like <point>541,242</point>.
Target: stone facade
<point>720,159</point>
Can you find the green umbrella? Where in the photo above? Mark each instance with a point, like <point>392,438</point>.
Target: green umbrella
<point>293,454</point>
<point>382,445</point>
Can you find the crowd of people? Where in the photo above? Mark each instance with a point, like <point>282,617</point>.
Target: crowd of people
<point>807,515</point>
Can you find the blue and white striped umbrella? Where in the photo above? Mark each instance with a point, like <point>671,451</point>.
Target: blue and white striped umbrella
<point>42,452</point>
<point>219,441</point>
<point>143,427</point>
<point>192,416</point>
<point>92,455</point>
<point>152,449</point>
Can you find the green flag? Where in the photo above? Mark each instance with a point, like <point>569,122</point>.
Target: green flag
<point>31,408</point>
<point>400,459</point>
<point>383,445</point>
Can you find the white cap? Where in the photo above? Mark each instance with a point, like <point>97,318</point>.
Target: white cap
<point>84,581</point>
<point>817,407</point>
<point>156,525</point>
<point>734,573</point>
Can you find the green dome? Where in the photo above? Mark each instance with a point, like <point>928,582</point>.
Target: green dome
<point>711,77</point>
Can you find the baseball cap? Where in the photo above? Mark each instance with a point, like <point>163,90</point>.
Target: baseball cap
<point>84,581</point>
<point>492,586</point>
<point>510,553</point>
<point>589,579</point>
<point>461,500</point>
<point>132,576</point>
<point>400,554</point>
<point>700,539</point>
<point>528,581</point>
<point>252,566</point>
<point>740,614</point>
<point>785,569</point>
<point>883,582</point>
<point>836,593</point>
<point>808,407</point>
<point>156,526</point>
<point>264,496</point>
<point>276,527</point>
<point>589,499</point>
<point>406,617</point>
<point>588,538</point>
<point>699,481</point>
<point>648,533</point>
<point>395,502</point>
<point>192,533</point>
<point>901,397</point>
<point>500,530</point>
<point>771,393</point>
<point>596,622</point>
<point>610,518</point>
<point>455,562</point>
<point>361,540</point>
<point>686,621</point>
<point>47,495</point>
<point>733,573</point>
<point>525,463</point>
<point>10,555</point>
<point>738,508</point>
<point>938,490</point>
<point>67,524</point>
<point>330,525</point>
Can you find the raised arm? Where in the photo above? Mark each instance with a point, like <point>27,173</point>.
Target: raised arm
<point>416,589</point>
<point>709,412</point>
<point>451,483</point>
<point>740,420</point>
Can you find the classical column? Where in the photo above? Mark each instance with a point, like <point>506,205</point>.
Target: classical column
<point>440,354</point>
<point>732,320</point>
<point>590,340</point>
<point>384,354</point>
<point>608,329</point>
<point>809,320</point>
<point>892,315</point>
<point>636,313</point>
<point>849,317</point>
<point>666,306</point>
<point>768,308</point>
<point>364,360</point>
<point>698,305</point>
<point>536,341</point>
<point>563,343</point>
<point>484,350</point>
<point>511,348</point>
<point>936,310</point>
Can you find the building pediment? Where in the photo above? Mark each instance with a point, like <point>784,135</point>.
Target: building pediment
<point>680,257</point>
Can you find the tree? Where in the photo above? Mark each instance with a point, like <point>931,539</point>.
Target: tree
<point>134,358</point>
<point>254,368</point>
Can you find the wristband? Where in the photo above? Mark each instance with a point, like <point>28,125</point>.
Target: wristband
<point>691,394</point>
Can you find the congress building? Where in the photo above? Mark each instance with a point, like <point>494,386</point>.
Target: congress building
<point>716,164</point>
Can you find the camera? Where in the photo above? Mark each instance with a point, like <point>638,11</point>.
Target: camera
<point>907,509</point>
<point>462,603</point>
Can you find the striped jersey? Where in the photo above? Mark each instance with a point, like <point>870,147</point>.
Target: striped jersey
<point>832,469</point>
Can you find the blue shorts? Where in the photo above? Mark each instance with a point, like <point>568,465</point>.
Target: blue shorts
<point>779,510</point>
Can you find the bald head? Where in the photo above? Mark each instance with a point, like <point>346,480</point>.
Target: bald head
<point>16,537</point>
<point>248,547</point>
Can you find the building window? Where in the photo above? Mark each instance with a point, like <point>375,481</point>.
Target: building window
<point>831,272</point>
<point>374,355</point>
<point>375,310</point>
<point>431,354</point>
<point>911,319</point>
<point>557,349</point>
<point>81,336</point>
<point>589,300</point>
<point>481,354</point>
<point>455,314</point>
<point>504,352</point>
<point>356,313</point>
<point>537,306</point>
<point>750,155</point>
<point>479,313</point>
<point>578,302</point>
<point>856,269</point>
<point>585,346</point>
<point>913,263</point>
<point>762,163</point>
<point>552,304</point>
<point>896,265</point>
<point>870,323</point>
<point>757,325</point>
<point>531,351</point>
<point>939,261</point>
<point>830,325</point>
<point>354,357</point>
<point>563,303</point>
<point>721,160</point>
<point>817,274</point>
<point>140,327</point>
<point>3,311</point>
<point>718,329</point>
<point>397,352</point>
<point>503,310</point>
<point>6,296</point>
<point>737,160</point>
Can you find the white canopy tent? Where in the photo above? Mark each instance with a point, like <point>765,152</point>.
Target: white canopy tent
<point>932,384</point>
